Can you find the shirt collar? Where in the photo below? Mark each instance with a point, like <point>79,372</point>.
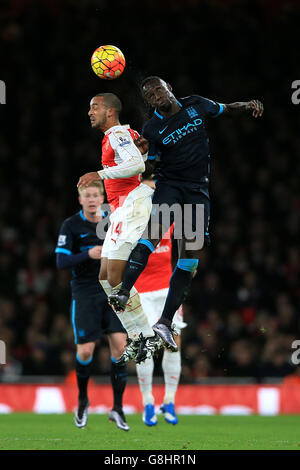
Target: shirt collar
<point>82,215</point>
<point>162,117</point>
<point>113,128</point>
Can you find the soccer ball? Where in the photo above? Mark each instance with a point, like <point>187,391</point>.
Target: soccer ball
<point>108,62</point>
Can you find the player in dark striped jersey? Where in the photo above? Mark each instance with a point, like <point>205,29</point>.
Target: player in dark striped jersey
<point>176,140</point>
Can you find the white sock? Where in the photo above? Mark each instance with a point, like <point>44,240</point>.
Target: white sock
<point>124,317</point>
<point>145,373</point>
<point>171,365</point>
<point>135,310</point>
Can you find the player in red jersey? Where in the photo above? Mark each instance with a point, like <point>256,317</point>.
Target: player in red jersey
<point>131,204</point>
<point>153,286</point>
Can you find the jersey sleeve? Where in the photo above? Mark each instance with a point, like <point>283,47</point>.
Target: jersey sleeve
<point>122,142</point>
<point>211,108</point>
<point>132,161</point>
<point>65,240</point>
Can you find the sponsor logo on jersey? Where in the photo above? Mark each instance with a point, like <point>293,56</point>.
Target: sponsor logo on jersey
<point>62,240</point>
<point>122,137</point>
<point>191,112</point>
<point>123,141</point>
<point>162,249</point>
<point>182,131</point>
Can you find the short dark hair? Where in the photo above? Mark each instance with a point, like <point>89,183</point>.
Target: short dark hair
<point>111,101</point>
<point>150,79</point>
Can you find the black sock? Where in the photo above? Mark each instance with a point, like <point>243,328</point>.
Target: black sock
<point>136,264</point>
<point>83,372</point>
<point>179,282</point>
<point>118,375</point>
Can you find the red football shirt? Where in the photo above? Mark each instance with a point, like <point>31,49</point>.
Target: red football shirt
<point>158,271</point>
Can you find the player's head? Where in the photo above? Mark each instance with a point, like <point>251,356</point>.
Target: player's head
<point>91,197</point>
<point>157,93</point>
<point>104,111</point>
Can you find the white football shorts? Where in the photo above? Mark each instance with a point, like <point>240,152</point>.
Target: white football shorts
<point>128,223</point>
<point>153,304</point>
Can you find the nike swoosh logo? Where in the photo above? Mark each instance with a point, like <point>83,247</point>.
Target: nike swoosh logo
<point>163,130</point>
<point>135,262</point>
<point>83,235</point>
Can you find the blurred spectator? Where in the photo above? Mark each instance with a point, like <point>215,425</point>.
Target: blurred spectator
<point>201,368</point>
<point>242,361</point>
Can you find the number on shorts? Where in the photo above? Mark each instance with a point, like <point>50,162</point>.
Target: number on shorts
<point>118,228</point>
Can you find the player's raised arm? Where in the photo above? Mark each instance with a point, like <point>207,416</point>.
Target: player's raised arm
<point>131,160</point>
<point>255,107</point>
<point>143,145</point>
<point>134,165</point>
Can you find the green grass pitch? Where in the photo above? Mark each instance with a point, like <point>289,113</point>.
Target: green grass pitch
<point>56,432</point>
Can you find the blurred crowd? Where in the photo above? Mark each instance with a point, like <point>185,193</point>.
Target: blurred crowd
<point>243,308</point>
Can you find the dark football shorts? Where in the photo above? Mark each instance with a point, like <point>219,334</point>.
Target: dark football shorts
<point>91,315</point>
<point>187,196</point>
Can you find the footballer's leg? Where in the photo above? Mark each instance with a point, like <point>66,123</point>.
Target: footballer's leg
<point>84,358</point>
<point>133,341</point>
<point>145,376</point>
<point>153,302</point>
<point>132,318</point>
<point>171,365</point>
<point>83,318</point>
<point>126,319</point>
<point>118,374</point>
<point>166,194</point>
<point>131,221</point>
<point>190,252</point>
<point>132,270</point>
<point>179,283</point>
<point>147,342</point>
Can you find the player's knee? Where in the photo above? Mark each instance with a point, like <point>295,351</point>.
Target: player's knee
<point>117,344</point>
<point>188,264</point>
<point>85,352</point>
<point>117,350</point>
<point>142,250</point>
<point>114,279</point>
